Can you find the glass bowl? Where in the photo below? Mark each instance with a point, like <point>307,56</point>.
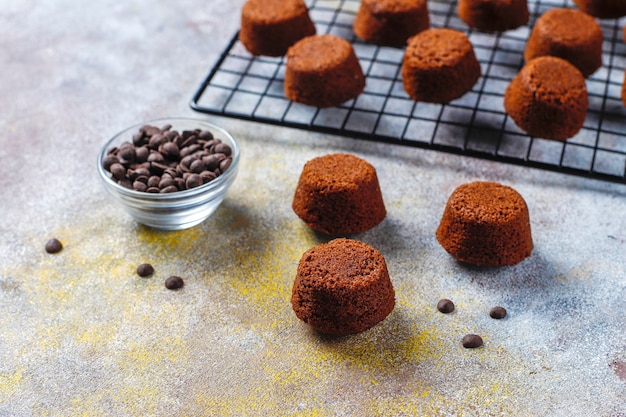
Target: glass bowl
<point>175,210</point>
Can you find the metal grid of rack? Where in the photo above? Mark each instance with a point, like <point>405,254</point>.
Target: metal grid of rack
<point>476,125</point>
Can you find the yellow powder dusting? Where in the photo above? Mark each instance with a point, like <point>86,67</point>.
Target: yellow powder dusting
<point>264,280</point>
<point>10,383</point>
<point>259,404</point>
<point>168,242</point>
<point>87,407</point>
<point>144,333</point>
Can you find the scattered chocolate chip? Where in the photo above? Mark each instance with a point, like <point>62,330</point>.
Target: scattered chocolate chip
<point>497,313</point>
<point>145,270</point>
<point>445,306</point>
<point>472,341</point>
<point>54,245</point>
<point>174,283</point>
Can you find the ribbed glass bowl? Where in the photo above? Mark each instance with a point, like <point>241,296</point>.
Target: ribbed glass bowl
<point>181,209</point>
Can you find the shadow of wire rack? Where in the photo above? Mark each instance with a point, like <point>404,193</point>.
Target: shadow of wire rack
<point>251,88</point>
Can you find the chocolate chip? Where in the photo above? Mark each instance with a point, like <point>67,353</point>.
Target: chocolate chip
<point>155,157</point>
<point>109,160</point>
<point>174,283</point>
<point>118,171</point>
<point>169,150</point>
<point>472,341</point>
<point>150,130</point>
<point>145,270</point>
<point>445,306</point>
<point>207,176</point>
<point>222,148</point>
<point>211,162</point>
<point>153,181</point>
<point>158,167</point>
<point>138,139</point>
<point>157,140</point>
<point>141,171</point>
<point>193,180</point>
<point>141,154</point>
<point>205,135</point>
<point>166,181</point>
<point>169,189</point>
<point>127,152</point>
<point>196,166</point>
<point>54,245</point>
<point>189,141</point>
<point>225,163</point>
<point>125,183</point>
<point>497,313</point>
<point>139,186</point>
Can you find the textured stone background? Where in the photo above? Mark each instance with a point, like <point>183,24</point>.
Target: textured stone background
<point>82,334</point>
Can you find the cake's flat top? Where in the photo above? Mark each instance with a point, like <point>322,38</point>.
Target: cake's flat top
<point>552,78</point>
<point>319,52</point>
<point>568,27</point>
<point>344,263</point>
<point>337,171</point>
<point>393,6</point>
<point>271,11</point>
<point>438,47</point>
<point>487,202</point>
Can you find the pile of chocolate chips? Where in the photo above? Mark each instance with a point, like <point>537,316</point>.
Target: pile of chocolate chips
<point>162,160</point>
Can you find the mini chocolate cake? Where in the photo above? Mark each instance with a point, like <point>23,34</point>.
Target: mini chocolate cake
<point>269,27</point>
<point>390,22</point>
<point>604,9</point>
<point>339,194</point>
<point>548,98</point>
<point>486,224</point>
<point>493,15</point>
<point>342,287</point>
<point>323,71</point>
<point>439,66</point>
<point>569,34</point>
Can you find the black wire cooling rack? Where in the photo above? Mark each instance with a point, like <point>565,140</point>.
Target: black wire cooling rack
<point>251,88</point>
